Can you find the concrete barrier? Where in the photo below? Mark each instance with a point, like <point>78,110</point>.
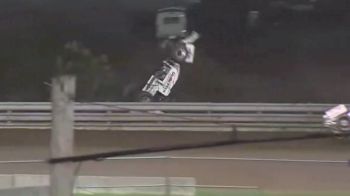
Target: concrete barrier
<point>6,181</point>
<point>106,184</point>
<point>124,185</point>
<point>25,191</point>
<point>182,186</point>
<point>27,180</point>
<point>150,185</point>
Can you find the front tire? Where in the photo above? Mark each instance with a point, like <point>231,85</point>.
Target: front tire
<point>179,53</point>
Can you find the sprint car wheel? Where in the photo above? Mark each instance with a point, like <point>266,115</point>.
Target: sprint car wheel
<point>144,97</point>
<point>344,123</point>
<point>161,98</point>
<point>179,53</point>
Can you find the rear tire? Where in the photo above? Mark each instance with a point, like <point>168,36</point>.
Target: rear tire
<point>344,123</point>
<point>144,97</point>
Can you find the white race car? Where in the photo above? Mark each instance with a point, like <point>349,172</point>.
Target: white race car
<point>159,85</point>
<point>337,119</point>
<point>161,82</point>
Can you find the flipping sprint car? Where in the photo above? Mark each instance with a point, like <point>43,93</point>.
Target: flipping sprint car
<point>161,82</point>
<point>337,119</point>
<point>159,85</point>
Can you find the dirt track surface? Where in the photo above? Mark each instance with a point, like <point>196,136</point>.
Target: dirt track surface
<point>22,145</point>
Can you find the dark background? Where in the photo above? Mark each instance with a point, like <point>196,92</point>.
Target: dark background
<point>291,56</point>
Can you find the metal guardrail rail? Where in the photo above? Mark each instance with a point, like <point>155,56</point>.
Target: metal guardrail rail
<point>129,116</point>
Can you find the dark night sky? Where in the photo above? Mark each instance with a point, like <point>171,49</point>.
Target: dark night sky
<point>290,57</point>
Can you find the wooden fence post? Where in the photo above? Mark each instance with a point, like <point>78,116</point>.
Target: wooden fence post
<point>62,135</point>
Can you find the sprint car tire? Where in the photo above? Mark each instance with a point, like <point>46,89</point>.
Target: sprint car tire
<point>344,123</point>
<point>161,98</point>
<point>179,53</point>
<point>144,97</point>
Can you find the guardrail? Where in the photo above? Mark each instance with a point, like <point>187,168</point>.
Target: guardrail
<point>129,116</point>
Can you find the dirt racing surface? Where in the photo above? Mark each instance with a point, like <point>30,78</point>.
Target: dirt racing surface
<point>293,176</point>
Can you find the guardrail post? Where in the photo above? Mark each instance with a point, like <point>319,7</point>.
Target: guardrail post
<point>62,135</point>
<point>8,112</point>
<point>234,135</point>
